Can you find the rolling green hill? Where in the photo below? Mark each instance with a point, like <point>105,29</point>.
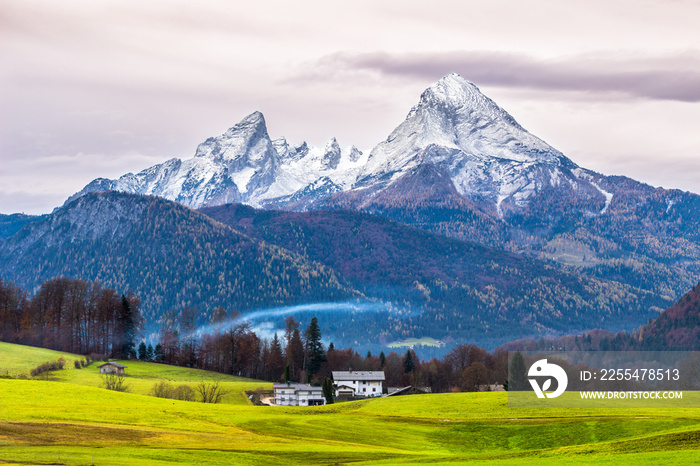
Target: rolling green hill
<point>54,422</point>
<point>141,376</point>
<point>49,422</point>
<point>19,360</point>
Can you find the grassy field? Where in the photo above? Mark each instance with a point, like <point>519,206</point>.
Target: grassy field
<point>410,342</point>
<point>19,360</point>
<point>141,376</point>
<point>54,422</point>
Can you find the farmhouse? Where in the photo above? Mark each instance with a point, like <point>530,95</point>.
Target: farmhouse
<point>296,394</point>
<point>358,383</point>
<point>112,368</point>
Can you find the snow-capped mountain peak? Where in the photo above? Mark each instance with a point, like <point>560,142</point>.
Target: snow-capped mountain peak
<point>247,140</point>
<point>465,135</point>
<point>331,154</point>
<point>453,114</point>
<point>454,92</point>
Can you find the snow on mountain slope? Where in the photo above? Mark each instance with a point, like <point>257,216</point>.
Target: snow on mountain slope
<point>241,165</point>
<point>486,153</point>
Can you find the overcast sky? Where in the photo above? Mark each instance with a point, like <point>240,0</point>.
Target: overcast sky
<point>94,88</point>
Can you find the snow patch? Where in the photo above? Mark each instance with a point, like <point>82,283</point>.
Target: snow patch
<point>242,178</point>
<point>608,197</point>
<point>670,204</point>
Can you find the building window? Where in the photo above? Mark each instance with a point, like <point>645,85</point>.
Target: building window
<point>374,389</point>
<point>364,389</point>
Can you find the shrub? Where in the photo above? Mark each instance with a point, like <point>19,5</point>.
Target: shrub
<point>48,367</point>
<point>184,393</point>
<point>97,357</point>
<point>210,392</point>
<point>115,382</point>
<point>162,389</point>
<point>77,363</point>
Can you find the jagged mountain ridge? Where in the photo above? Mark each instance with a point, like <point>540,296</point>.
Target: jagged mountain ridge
<point>461,166</point>
<point>489,157</point>
<point>242,165</point>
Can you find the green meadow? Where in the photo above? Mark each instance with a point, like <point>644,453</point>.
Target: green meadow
<point>69,419</point>
<point>410,342</point>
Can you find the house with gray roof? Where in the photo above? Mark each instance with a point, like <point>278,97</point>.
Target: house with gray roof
<point>358,383</point>
<point>112,368</point>
<point>298,394</point>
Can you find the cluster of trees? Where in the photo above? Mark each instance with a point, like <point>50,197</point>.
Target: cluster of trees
<point>298,355</point>
<point>233,348</point>
<point>86,318</point>
<point>71,315</point>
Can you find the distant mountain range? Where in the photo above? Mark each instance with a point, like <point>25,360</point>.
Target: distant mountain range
<point>483,153</point>
<point>538,244</point>
<point>169,255</point>
<point>244,259</point>
<point>461,166</point>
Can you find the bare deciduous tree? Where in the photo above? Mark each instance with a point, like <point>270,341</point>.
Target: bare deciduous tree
<point>210,392</point>
<point>115,382</point>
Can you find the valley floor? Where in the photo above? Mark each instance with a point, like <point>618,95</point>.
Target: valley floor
<point>58,423</point>
<point>69,419</point>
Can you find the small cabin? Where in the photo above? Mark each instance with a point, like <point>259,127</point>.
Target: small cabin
<point>112,368</point>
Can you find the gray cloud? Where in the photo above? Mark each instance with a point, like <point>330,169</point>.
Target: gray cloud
<point>92,89</point>
<point>671,77</point>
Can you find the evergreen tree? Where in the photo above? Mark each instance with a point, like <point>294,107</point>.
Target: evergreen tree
<point>369,355</point>
<point>286,374</point>
<point>408,364</point>
<point>294,351</point>
<point>275,360</point>
<point>382,359</point>
<point>158,353</point>
<point>317,355</point>
<point>218,315</point>
<point>517,373</point>
<point>128,322</point>
<point>143,352</point>
<point>149,353</point>
<point>295,354</point>
<point>331,347</point>
<point>328,390</point>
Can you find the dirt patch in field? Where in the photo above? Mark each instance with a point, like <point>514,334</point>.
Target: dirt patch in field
<point>41,433</point>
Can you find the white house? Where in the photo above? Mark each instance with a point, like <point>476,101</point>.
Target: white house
<point>296,394</point>
<point>358,383</point>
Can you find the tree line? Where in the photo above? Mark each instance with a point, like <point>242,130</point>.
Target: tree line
<point>299,355</point>
<point>84,317</point>
<point>74,316</point>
